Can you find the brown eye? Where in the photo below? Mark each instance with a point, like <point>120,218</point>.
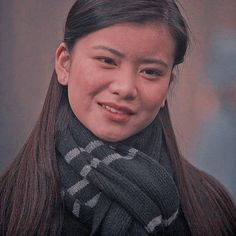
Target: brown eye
<point>152,72</point>
<point>107,60</point>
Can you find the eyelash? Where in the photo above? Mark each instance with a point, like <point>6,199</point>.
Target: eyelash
<point>107,60</point>
<point>154,72</point>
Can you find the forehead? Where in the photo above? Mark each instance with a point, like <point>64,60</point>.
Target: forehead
<point>130,38</point>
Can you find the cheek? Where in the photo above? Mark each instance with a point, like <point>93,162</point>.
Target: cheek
<point>82,79</point>
<point>81,74</point>
<point>154,97</point>
<point>85,82</point>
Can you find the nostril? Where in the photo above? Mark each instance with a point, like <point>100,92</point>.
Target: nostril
<point>125,90</point>
<point>116,93</point>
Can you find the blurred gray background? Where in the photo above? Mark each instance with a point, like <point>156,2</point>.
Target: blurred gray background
<point>30,31</point>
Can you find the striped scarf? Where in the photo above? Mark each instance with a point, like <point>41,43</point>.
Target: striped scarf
<point>123,188</point>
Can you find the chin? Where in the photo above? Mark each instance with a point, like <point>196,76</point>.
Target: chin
<point>112,137</point>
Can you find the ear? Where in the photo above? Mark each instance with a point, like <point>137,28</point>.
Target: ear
<point>172,77</point>
<point>62,64</point>
<point>163,102</point>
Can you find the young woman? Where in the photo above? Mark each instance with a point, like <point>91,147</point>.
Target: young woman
<point>102,158</point>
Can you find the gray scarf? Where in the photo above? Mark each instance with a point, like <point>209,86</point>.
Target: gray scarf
<point>123,188</point>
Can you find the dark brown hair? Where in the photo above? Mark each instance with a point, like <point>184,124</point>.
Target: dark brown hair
<point>30,190</point>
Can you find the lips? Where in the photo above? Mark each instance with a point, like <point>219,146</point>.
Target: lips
<point>116,109</point>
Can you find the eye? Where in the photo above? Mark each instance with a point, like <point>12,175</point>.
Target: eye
<point>151,73</point>
<point>106,60</point>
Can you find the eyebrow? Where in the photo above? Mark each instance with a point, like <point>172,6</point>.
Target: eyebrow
<point>153,61</point>
<point>141,61</point>
<point>112,50</point>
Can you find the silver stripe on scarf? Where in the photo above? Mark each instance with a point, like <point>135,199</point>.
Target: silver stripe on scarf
<point>171,219</point>
<point>72,154</point>
<point>158,220</point>
<point>93,201</point>
<point>154,223</point>
<point>86,169</point>
<point>76,208</point>
<point>76,151</point>
<point>110,158</point>
<point>78,186</point>
<point>93,145</point>
<point>133,151</point>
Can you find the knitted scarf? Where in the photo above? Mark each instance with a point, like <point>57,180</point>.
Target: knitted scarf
<point>123,188</point>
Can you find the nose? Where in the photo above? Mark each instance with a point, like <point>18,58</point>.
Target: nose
<point>124,84</point>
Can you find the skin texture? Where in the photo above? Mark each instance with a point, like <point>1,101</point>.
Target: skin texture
<point>118,77</point>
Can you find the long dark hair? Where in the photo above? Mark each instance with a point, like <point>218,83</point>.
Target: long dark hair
<point>30,188</point>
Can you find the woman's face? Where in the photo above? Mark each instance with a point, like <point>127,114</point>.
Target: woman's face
<point>118,77</point>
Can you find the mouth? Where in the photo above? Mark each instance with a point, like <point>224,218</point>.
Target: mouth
<point>116,109</point>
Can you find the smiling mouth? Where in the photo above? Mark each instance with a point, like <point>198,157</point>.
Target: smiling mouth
<point>113,108</point>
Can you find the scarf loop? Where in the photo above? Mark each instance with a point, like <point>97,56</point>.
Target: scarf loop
<point>118,189</point>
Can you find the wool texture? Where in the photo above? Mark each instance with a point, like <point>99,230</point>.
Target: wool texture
<point>123,188</point>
